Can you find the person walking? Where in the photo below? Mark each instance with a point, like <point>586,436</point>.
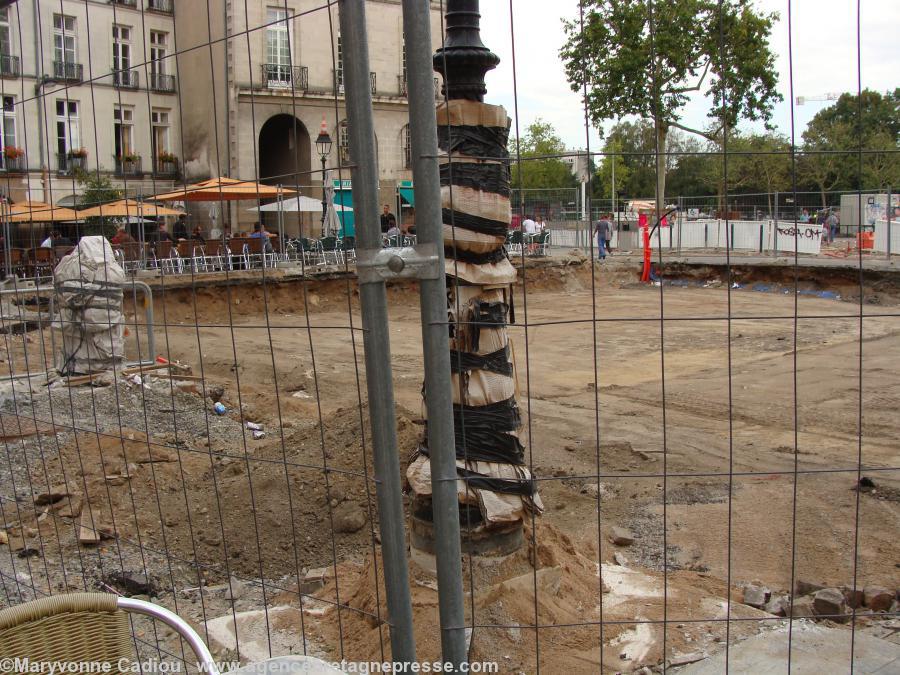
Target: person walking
<point>603,230</point>
<point>831,226</point>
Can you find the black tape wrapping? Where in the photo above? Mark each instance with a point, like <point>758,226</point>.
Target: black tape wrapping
<point>467,221</point>
<point>485,142</point>
<point>524,487</point>
<point>495,362</point>
<point>482,314</point>
<point>482,433</point>
<point>473,258</point>
<point>486,177</point>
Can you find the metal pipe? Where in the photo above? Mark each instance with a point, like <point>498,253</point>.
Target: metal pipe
<point>435,336</point>
<point>376,336</point>
<point>179,625</point>
<point>889,211</point>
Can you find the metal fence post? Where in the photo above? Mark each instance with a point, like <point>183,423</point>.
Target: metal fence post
<point>376,337</point>
<point>435,335</point>
<point>890,208</point>
<point>775,227</point>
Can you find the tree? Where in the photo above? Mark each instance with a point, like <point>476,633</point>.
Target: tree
<point>97,189</point>
<point>540,140</point>
<point>881,164</point>
<point>834,136</point>
<point>645,59</point>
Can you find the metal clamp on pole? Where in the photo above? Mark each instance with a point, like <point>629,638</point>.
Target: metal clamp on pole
<point>410,262</point>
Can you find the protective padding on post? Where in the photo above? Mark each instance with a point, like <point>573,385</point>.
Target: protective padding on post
<point>469,240</point>
<point>495,507</point>
<point>488,205</point>
<point>478,174</point>
<point>88,284</point>
<point>490,274</point>
<point>461,112</point>
<point>482,387</point>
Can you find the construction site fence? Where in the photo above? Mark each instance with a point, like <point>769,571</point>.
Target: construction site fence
<point>746,235</point>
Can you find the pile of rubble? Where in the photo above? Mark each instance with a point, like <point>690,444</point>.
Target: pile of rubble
<point>813,601</point>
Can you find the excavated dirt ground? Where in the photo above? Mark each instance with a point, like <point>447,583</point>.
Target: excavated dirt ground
<point>687,431</point>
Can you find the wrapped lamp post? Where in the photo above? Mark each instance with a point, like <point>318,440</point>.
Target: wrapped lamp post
<point>495,490</point>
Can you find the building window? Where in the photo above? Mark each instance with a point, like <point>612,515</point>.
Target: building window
<point>121,48</point>
<point>403,67</point>
<point>68,130</point>
<point>64,39</point>
<point>159,43</point>
<point>339,73</point>
<point>8,135</point>
<point>406,147</point>
<point>160,121</point>
<point>5,36</point>
<point>123,125</point>
<point>344,142</point>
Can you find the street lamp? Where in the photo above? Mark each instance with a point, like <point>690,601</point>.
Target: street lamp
<point>323,147</point>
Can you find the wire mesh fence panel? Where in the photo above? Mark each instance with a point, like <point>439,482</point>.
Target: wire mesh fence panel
<point>332,348</point>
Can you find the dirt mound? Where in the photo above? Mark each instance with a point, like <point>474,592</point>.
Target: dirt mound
<point>269,513</point>
<point>566,607</point>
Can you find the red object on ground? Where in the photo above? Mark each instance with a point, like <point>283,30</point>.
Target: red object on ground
<point>160,359</point>
<point>865,240</point>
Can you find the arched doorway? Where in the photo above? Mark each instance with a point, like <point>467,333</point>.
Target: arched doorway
<point>284,152</point>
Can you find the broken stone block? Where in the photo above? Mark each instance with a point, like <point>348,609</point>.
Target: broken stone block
<point>806,588</point>
<point>855,598</point>
<point>620,559</point>
<point>348,517</point>
<point>803,607</point>
<point>779,605</point>
<point>878,599</point>
<point>621,536</point>
<point>829,603</point>
<point>131,583</point>
<point>51,496</point>
<point>755,595</point>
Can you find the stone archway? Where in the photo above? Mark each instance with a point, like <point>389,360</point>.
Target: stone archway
<point>284,151</point>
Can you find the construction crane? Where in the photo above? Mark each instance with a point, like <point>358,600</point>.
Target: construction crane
<point>831,96</point>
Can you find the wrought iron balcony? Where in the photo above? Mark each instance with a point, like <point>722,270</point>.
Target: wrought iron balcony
<point>280,76</point>
<point>339,81</point>
<point>163,83</point>
<point>165,167</point>
<point>9,65</point>
<point>67,163</point>
<point>67,71</point>
<point>127,79</point>
<point>12,164</point>
<point>402,86</point>
<point>166,6</point>
<point>128,166</point>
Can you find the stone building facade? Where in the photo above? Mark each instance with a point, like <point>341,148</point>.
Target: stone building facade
<point>253,103</point>
<point>91,85</point>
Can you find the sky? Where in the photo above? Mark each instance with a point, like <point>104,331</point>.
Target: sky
<point>824,60</point>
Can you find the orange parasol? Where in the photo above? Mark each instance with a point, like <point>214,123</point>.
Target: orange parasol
<point>228,189</point>
<point>38,212</point>
<point>127,207</point>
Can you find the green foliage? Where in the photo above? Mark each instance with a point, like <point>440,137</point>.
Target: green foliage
<point>97,189</point>
<point>540,139</point>
<point>870,121</point>
<point>631,65</point>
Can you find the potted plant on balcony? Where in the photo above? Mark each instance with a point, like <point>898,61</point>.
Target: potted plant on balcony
<point>130,163</point>
<point>76,158</point>
<point>166,163</point>
<point>13,158</point>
